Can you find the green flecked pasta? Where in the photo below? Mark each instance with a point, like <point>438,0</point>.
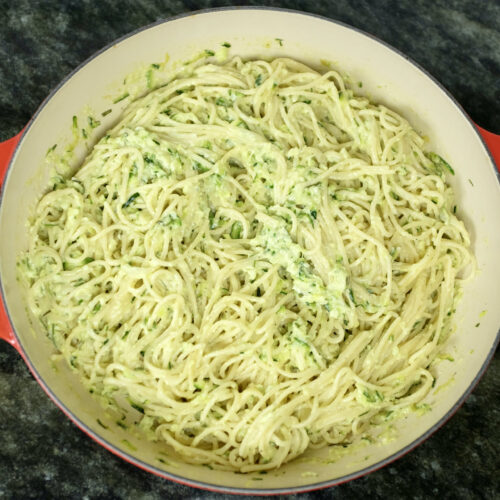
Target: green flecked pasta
<point>259,260</point>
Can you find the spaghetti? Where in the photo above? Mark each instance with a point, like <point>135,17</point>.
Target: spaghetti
<point>258,260</point>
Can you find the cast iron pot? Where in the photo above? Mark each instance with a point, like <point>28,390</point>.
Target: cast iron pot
<point>388,77</point>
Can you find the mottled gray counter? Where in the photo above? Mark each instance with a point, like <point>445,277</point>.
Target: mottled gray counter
<point>42,454</point>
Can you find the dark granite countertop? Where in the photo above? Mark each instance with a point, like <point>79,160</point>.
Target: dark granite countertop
<point>42,454</point>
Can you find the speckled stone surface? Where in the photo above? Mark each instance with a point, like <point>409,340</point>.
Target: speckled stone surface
<point>42,454</point>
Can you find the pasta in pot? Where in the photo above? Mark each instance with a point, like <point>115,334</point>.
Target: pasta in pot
<point>260,260</point>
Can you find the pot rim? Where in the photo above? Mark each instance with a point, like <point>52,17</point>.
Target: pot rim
<point>200,484</point>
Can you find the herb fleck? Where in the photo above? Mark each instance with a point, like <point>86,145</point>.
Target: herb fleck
<point>130,200</point>
<point>118,99</point>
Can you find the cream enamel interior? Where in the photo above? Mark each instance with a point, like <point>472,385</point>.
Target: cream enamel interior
<point>387,77</point>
